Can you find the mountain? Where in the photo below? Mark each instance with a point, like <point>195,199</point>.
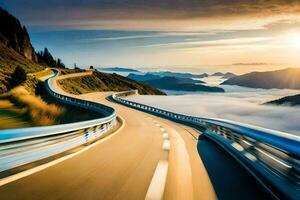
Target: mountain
<point>150,76</point>
<point>100,81</point>
<point>15,36</point>
<point>118,69</point>
<point>15,50</point>
<point>282,79</point>
<point>173,83</point>
<point>217,74</point>
<point>144,77</point>
<point>179,74</point>
<point>226,75</point>
<point>288,100</point>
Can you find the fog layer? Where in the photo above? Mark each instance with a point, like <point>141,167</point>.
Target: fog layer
<point>238,104</point>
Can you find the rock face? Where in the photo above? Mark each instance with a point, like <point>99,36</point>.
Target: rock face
<point>15,36</point>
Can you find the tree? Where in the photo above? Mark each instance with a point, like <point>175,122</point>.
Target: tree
<point>91,67</point>
<point>59,63</point>
<point>18,76</point>
<point>48,58</point>
<point>45,57</point>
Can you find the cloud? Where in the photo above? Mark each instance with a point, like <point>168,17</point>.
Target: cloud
<point>199,43</point>
<point>153,14</point>
<point>250,64</point>
<point>130,37</point>
<point>238,104</point>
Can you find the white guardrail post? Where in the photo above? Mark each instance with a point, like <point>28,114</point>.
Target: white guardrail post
<point>26,145</point>
<point>272,157</point>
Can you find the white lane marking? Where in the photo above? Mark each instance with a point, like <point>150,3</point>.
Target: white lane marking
<point>237,146</point>
<point>166,145</point>
<point>59,160</point>
<point>158,182</point>
<point>165,136</point>
<point>162,130</point>
<point>250,156</point>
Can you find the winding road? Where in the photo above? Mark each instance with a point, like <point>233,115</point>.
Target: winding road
<point>148,157</point>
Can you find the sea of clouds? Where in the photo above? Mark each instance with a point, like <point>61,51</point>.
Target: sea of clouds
<point>238,103</point>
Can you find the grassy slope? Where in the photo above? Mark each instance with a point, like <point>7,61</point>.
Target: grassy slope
<point>9,60</point>
<point>105,82</point>
<point>22,106</point>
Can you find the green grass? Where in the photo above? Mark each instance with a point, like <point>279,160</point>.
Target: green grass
<point>32,108</point>
<point>101,82</point>
<point>9,60</point>
<point>27,104</point>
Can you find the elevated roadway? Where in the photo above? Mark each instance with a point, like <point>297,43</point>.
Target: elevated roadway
<point>148,158</point>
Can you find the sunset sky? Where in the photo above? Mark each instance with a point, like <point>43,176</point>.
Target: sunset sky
<point>190,35</point>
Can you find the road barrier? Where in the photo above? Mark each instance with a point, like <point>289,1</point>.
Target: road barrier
<point>26,145</point>
<point>272,157</point>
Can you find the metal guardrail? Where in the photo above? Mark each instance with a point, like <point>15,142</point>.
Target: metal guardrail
<point>26,145</point>
<point>272,157</point>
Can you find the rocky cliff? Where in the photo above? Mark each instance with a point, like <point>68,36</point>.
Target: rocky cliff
<point>15,36</point>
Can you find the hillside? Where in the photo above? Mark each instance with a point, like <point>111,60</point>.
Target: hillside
<point>281,79</point>
<point>15,50</point>
<point>9,60</point>
<point>288,100</point>
<point>172,83</point>
<point>100,81</point>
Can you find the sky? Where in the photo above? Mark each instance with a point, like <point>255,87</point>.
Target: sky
<point>187,35</point>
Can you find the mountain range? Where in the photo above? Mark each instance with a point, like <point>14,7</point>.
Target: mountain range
<point>180,74</point>
<point>226,75</point>
<point>282,79</point>
<point>173,83</point>
<point>150,76</point>
<point>288,100</point>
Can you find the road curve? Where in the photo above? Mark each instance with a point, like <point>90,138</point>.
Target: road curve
<point>123,166</point>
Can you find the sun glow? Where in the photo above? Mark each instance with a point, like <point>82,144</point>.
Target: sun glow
<point>294,40</point>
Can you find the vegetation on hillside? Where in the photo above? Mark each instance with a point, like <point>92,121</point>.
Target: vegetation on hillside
<point>70,71</point>
<point>45,57</point>
<point>9,61</point>
<point>21,68</point>
<point>31,108</point>
<point>99,81</point>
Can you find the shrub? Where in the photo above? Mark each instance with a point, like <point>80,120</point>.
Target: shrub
<point>18,77</point>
